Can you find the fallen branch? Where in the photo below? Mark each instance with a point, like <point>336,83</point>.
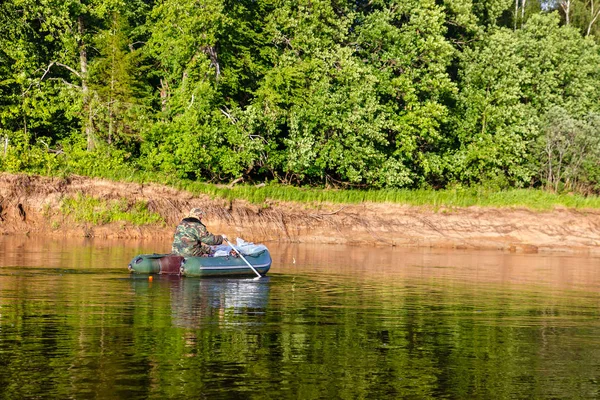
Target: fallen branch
<point>240,179</point>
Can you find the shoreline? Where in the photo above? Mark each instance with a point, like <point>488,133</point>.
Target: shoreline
<point>31,205</point>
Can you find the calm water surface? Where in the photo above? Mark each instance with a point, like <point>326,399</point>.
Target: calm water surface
<point>329,322</point>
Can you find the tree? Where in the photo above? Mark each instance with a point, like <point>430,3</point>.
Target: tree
<point>115,80</point>
<point>508,82</point>
<point>185,47</point>
<point>322,119</point>
<point>594,13</point>
<point>493,124</point>
<point>570,150</point>
<point>583,14</point>
<point>405,45</point>
<point>31,111</point>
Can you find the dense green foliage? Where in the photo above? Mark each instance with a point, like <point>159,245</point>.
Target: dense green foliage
<point>372,95</point>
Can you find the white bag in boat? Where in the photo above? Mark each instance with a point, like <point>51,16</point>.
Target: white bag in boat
<point>246,248</point>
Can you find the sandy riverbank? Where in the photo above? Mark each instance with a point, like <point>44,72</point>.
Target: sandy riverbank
<point>31,205</point>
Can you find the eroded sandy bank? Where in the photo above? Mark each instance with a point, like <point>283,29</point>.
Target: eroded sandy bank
<point>31,205</point>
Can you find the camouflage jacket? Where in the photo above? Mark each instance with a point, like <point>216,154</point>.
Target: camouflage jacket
<point>193,239</point>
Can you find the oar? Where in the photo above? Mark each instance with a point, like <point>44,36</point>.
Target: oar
<point>258,275</point>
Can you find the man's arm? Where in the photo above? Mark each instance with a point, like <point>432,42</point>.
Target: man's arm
<point>211,239</point>
<point>208,238</point>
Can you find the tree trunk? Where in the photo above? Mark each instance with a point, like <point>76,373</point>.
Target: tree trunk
<point>566,6</point>
<point>110,97</point>
<point>549,176</point>
<point>83,65</point>
<point>594,16</point>
<point>113,73</point>
<point>164,95</point>
<point>214,60</point>
<point>516,13</point>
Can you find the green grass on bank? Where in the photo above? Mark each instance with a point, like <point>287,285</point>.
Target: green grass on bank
<point>530,198</point>
<point>97,211</point>
<point>535,199</point>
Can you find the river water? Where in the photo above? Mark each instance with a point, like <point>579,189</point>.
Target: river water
<point>329,322</point>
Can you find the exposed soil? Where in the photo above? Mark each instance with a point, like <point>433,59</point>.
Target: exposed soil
<point>31,205</point>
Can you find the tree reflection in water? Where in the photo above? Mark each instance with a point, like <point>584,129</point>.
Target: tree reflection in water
<point>339,322</point>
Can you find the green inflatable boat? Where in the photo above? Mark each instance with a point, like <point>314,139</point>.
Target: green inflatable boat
<point>221,265</point>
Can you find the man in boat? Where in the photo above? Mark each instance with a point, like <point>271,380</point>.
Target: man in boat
<point>192,238</point>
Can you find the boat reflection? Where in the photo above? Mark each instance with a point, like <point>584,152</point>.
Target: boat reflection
<point>194,301</point>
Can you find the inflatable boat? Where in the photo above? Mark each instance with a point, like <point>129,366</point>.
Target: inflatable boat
<point>221,263</point>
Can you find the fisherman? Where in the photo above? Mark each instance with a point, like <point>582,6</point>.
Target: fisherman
<point>192,238</point>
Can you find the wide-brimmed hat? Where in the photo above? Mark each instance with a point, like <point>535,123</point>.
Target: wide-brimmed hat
<point>196,213</point>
